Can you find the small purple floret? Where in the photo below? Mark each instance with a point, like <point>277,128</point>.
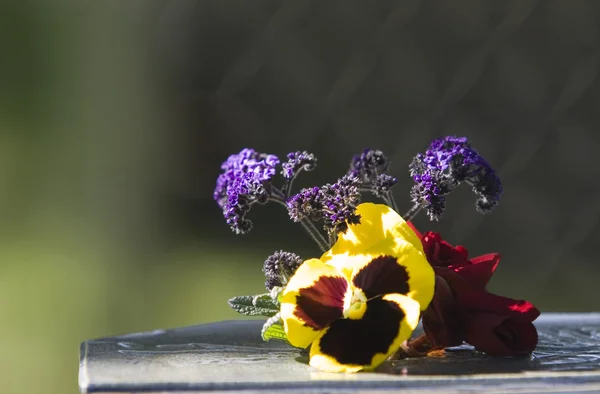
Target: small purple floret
<point>298,161</point>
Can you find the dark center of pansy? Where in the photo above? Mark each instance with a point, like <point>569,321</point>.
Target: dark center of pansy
<point>351,341</point>
<point>355,304</point>
<point>322,303</point>
<point>382,275</point>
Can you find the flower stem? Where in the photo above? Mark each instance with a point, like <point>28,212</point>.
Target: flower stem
<point>391,201</point>
<point>411,348</point>
<point>287,186</point>
<point>412,212</point>
<point>278,197</point>
<point>332,238</point>
<point>418,341</point>
<point>314,233</point>
<point>388,198</point>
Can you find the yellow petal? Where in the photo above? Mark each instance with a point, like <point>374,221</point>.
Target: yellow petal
<point>377,223</point>
<point>297,326</point>
<point>334,347</point>
<point>327,363</point>
<point>347,263</point>
<point>411,310</point>
<point>421,277</point>
<point>412,313</point>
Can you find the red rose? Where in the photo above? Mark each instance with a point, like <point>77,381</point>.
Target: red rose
<point>493,324</point>
<point>443,319</point>
<point>477,271</point>
<point>500,335</point>
<point>462,310</point>
<point>439,252</point>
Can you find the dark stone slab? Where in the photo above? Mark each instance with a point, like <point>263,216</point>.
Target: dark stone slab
<point>230,355</point>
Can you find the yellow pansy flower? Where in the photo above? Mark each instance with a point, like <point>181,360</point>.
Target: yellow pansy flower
<point>356,304</point>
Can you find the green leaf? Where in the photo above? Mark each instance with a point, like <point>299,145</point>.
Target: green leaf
<point>265,301</point>
<point>273,329</point>
<point>258,305</point>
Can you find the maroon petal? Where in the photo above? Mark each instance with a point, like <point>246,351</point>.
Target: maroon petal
<point>322,303</point>
<point>351,341</point>
<point>457,283</point>
<point>480,271</point>
<point>441,253</point>
<point>382,275</point>
<point>442,321</point>
<point>492,303</point>
<point>499,335</point>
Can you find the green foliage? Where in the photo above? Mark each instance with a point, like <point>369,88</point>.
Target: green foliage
<point>257,305</point>
<point>262,305</point>
<point>273,329</point>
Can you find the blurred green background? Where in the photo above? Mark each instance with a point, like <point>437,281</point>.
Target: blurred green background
<point>115,116</point>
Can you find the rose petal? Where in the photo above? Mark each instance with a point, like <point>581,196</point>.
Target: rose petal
<point>480,271</point>
<point>442,321</point>
<point>488,302</point>
<point>441,253</point>
<point>499,335</point>
<point>457,283</point>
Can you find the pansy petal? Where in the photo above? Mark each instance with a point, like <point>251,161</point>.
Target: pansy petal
<point>377,223</point>
<point>346,263</point>
<point>414,270</point>
<point>381,275</point>
<point>313,298</point>
<point>352,345</point>
<point>413,228</point>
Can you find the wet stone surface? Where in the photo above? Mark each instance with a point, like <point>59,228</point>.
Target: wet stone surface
<point>231,356</point>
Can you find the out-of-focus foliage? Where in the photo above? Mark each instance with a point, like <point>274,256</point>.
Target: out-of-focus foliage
<point>115,116</point>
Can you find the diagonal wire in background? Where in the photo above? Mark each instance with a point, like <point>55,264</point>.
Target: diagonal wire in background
<point>355,73</point>
<point>531,139</point>
<point>249,61</point>
<point>470,71</point>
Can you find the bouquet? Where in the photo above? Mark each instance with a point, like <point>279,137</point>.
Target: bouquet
<point>358,303</point>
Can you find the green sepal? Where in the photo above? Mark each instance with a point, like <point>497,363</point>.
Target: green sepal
<point>273,329</point>
<point>257,305</point>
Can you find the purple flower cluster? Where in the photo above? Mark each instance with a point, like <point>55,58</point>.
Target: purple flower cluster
<point>334,204</point>
<point>247,178</point>
<point>298,161</point>
<point>448,162</point>
<point>279,267</point>
<point>368,165</point>
<point>243,182</point>
<point>383,185</point>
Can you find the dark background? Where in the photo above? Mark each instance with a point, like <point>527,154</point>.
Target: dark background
<point>115,117</point>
